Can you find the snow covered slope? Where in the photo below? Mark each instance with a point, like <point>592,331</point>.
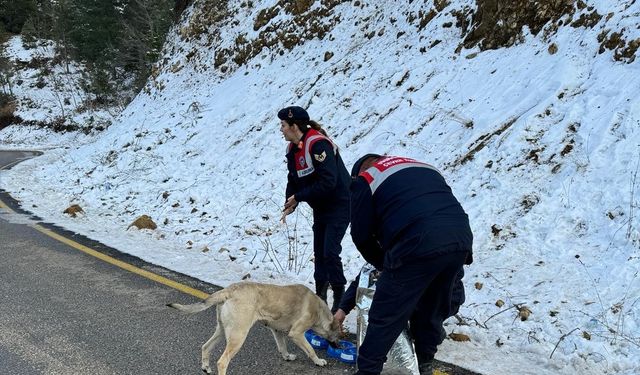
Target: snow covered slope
<point>539,139</point>
<point>49,91</point>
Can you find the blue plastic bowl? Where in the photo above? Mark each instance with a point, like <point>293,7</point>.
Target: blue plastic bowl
<point>318,342</point>
<point>347,352</point>
<point>349,355</point>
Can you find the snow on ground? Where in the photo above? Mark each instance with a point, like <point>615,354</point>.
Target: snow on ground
<point>49,89</point>
<point>542,150</point>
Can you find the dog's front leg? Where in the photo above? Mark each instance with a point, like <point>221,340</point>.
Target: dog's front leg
<point>282,345</point>
<point>298,339</point>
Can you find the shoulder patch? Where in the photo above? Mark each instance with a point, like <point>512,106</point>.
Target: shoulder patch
<point>320,157</point>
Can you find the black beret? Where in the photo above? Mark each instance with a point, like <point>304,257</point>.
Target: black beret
<point>294,114</point>
<point>355,171</point>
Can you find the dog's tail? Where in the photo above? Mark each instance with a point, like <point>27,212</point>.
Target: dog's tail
<point>214,299</point>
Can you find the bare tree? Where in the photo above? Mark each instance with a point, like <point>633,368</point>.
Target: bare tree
<point>6,72</point>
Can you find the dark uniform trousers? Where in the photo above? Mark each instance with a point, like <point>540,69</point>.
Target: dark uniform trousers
<point>326,250</point>
<point>419,291</point>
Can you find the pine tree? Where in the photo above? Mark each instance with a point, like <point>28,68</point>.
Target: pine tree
<point>61,24</point>
<point>94,29</point>
<point>29,34</point>
<point>15,13</point>
<point>116,39</point>
<point>145,24</point>
<point>42,19</point>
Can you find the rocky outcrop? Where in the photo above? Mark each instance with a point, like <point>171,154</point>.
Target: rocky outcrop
<point>498,23</point>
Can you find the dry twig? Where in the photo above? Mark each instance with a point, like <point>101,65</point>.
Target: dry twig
<point>560,340</point>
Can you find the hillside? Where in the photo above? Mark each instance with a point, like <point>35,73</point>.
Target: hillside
<point>531,112</point>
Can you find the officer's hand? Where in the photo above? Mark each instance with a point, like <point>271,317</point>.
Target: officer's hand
<point>286,212</point>
<point>290,203</point>
<point>289,207</point>
<point>340,316</point>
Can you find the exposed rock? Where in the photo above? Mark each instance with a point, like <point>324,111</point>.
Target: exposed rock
<point>460,337</point>
<point>623,50</point>
<point>524,313</point>
<point>297,7</point>
<point>265,16</point>
<point>8,108</point>
<point>74,210</point>
<point>499,23</point>
<point>180,7</point>
<point>143,222</point>
<point>300,22</point>
<point>425,18</point>
<point>588,20</point>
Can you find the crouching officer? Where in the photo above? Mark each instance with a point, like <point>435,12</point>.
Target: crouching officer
<point>318,176</point>
<point>405,219</point>
<point>348,302</point>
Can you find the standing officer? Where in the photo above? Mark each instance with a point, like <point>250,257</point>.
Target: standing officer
<point>318,176</point>
<point>405,219</point>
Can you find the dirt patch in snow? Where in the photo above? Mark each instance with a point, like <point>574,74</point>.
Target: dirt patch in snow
<point>499,23</point>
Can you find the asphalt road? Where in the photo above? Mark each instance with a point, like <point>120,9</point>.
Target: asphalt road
<point>66,312</point>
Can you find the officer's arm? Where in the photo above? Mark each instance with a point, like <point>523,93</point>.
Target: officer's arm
<point>326,170</point>
<point>290,187</point>
<point>348,301</point>
<point>362,223</point>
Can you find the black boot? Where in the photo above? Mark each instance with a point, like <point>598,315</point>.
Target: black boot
<point>426,368</point>
<point>425,363</point>
<point>443,334</point>
<point>338,292</point>
<point>321,290</point>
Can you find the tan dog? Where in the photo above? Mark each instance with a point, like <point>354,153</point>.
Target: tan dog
<point>291,309</point>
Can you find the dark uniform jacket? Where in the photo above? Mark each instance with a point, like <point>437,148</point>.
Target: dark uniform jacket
<point>318,176</point>
<point>348,301</point>
<point>399,202</point>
